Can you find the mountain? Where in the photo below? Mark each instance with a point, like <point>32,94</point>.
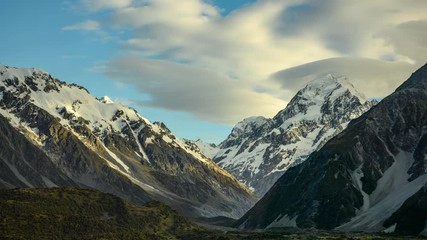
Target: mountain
<point>16,152</point>
<point>207,149</point>
<point>371,177</point>
<point>373,77</point>
<point>259,150</point>
<point>57,134</point>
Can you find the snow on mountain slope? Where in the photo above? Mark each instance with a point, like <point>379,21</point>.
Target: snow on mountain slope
<point>82,134</point>
<point>259,150</point>
<point>71,101</point>
<point>207,149</point>
<point>391,192</point>
<point>371,177</point>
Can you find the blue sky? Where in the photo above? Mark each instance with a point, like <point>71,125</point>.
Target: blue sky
<point>202,66</point>
<point>33,37</point>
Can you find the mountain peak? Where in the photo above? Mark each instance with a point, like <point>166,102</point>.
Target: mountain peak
<point>247,125</point>
<point>259,150</point>
<point>251,122</point>
<point>19,73</point>
<point>324,85</point>
<point>106,100</point>
<point>367,178</point>
<point>325,98</point>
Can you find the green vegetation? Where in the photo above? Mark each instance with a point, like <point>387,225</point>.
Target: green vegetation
<point>71,213</point>
<point>311,234</point>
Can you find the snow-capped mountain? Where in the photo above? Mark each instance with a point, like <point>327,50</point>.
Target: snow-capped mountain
<point>371,177</point>
<point>259,150</point>
<point>207,149</point>
<point>96,143</point>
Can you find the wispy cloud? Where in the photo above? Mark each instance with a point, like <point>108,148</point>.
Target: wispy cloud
<point>374,78</point>
<point>228,60</point>
<point>97,5</point>
<point>181,87</point>
<point>89,25</point>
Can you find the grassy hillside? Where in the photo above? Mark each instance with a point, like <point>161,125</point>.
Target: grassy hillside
<point>70,213</point>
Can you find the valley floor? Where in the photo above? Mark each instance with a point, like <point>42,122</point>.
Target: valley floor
<point>293,233</point>
<point>72,213</point>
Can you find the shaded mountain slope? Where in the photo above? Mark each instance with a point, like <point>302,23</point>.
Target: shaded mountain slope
<point>19,158</point>
<point>360,177</point>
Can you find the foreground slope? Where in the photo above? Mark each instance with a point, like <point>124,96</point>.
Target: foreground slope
<point>106,146</point>
<point>71,213</point>
<point>359,180</point>
<point>259,150</point>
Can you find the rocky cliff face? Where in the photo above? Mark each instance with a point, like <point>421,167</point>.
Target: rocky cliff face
<point>104,145</point>
<point>259,150</point>
<point>18,156</point>
<point>359,180</point>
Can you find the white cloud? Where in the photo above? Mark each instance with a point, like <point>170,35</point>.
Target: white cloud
<point>374,78</point>
<point>241,50</point>
<point>89,25</point>
<point>408,39</point>
<point>186,88</point>
<point>96,5</point>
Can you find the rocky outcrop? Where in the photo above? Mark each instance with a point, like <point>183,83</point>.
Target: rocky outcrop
<point>25,165</point>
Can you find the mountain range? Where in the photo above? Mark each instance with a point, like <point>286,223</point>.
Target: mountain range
<point>259,150</point>
<point>370,177</point>
<point>330,160</point>
<point>57,134</point>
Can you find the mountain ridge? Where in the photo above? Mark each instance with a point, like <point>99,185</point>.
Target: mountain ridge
<point>361,177</point>
<point>258,150</point>
<point>106,146</point>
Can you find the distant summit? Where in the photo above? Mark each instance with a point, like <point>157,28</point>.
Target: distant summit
<point>106,99</point>
<point>372,177</point>
<point>259,150</point>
